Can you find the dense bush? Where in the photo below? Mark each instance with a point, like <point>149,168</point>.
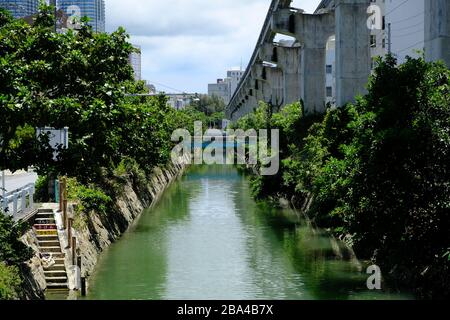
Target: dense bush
<point>394,178</point>
<point>10,282</point>
<point>89,198</point>
<point>41,189</point>
<point>12,254</point>
<point>12,250</point>
<point>379,171</point>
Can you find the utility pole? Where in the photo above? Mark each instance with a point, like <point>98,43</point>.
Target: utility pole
<point>389,39</point>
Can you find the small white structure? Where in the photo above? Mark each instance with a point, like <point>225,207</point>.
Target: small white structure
<point>58,138</point>
<point>180,101</point>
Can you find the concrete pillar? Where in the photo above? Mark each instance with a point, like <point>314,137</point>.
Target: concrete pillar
<point>352,49</point>
<point>23,198</point>
<point>15,204</point>
<point>263,91</point>
<point>313,89</point>
<point>32,191</point>
<point>437,30</point>
<point>289,61</point>
<point>313,32</point>
<point>273,76</point>
<point>276,82</point>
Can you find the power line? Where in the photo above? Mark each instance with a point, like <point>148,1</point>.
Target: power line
<point>409,27</point>
<point>411,46</point>
<point>401,4</point>
<point>406,19</point>
<point>406,34</point>
<point>163,85</point>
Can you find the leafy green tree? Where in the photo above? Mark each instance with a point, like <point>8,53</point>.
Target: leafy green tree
<point>12,250</point>
<point>208,104</point>
<point>396,171</point>
<point>77,79</point>
<point>377,171</point>
<point>10,282</point>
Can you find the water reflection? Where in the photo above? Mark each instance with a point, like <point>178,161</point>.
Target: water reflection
<point>207,239</point>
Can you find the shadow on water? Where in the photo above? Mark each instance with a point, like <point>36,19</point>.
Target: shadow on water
<point>207,239</point>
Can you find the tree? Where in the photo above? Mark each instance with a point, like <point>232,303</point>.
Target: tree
<point>12,250</point>
<point>208,104</point>
<point>77,79</point>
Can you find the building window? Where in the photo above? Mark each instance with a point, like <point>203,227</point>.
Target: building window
<point>329,92</point>
<point>383,43</point>
<point>329,69</point>
<point>373,41</point>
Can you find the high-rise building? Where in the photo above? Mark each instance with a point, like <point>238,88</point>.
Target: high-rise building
<point>20,8</point>
<point>234,75</point>
<point>93,9</point>
<point>135,61</point>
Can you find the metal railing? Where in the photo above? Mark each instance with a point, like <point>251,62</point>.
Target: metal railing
<point>18,202</point>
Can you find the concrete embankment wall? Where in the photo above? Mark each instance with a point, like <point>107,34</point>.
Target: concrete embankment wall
<point>95,232</point>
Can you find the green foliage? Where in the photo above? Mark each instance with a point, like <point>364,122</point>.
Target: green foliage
<point>208,104</point>
<point>394,177</point>
<point>89,198</point>
<point>130,167</point>
<point>10,282</point>
<point>378,170</point>
<point>41,189</point>
<point>73,79</point>
<point>293,124</point>
<point>12,250</point>
<point>79,80</point>
<point>5,17</point>
<point>13,253</point>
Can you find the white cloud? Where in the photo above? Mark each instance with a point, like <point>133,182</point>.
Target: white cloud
<point>187,44</point>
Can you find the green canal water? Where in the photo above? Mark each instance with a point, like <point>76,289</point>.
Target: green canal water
<point>207,239</point>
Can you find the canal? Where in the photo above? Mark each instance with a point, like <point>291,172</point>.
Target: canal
<point>207,239</point>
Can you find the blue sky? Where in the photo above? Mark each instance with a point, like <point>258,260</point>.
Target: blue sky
<point>187,44</point>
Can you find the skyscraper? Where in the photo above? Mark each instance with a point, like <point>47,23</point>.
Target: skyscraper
<point>20,8</point>
<point>135,60</point>
<point>93,9</point>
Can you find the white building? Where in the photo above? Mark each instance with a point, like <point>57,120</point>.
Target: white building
<point>330,72</point>
<point>234,75</point>
<point>224,88</point>
<point>220,89</point>
<point>180,101</point>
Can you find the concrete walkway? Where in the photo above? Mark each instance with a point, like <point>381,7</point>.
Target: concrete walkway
<point>19,179</point>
